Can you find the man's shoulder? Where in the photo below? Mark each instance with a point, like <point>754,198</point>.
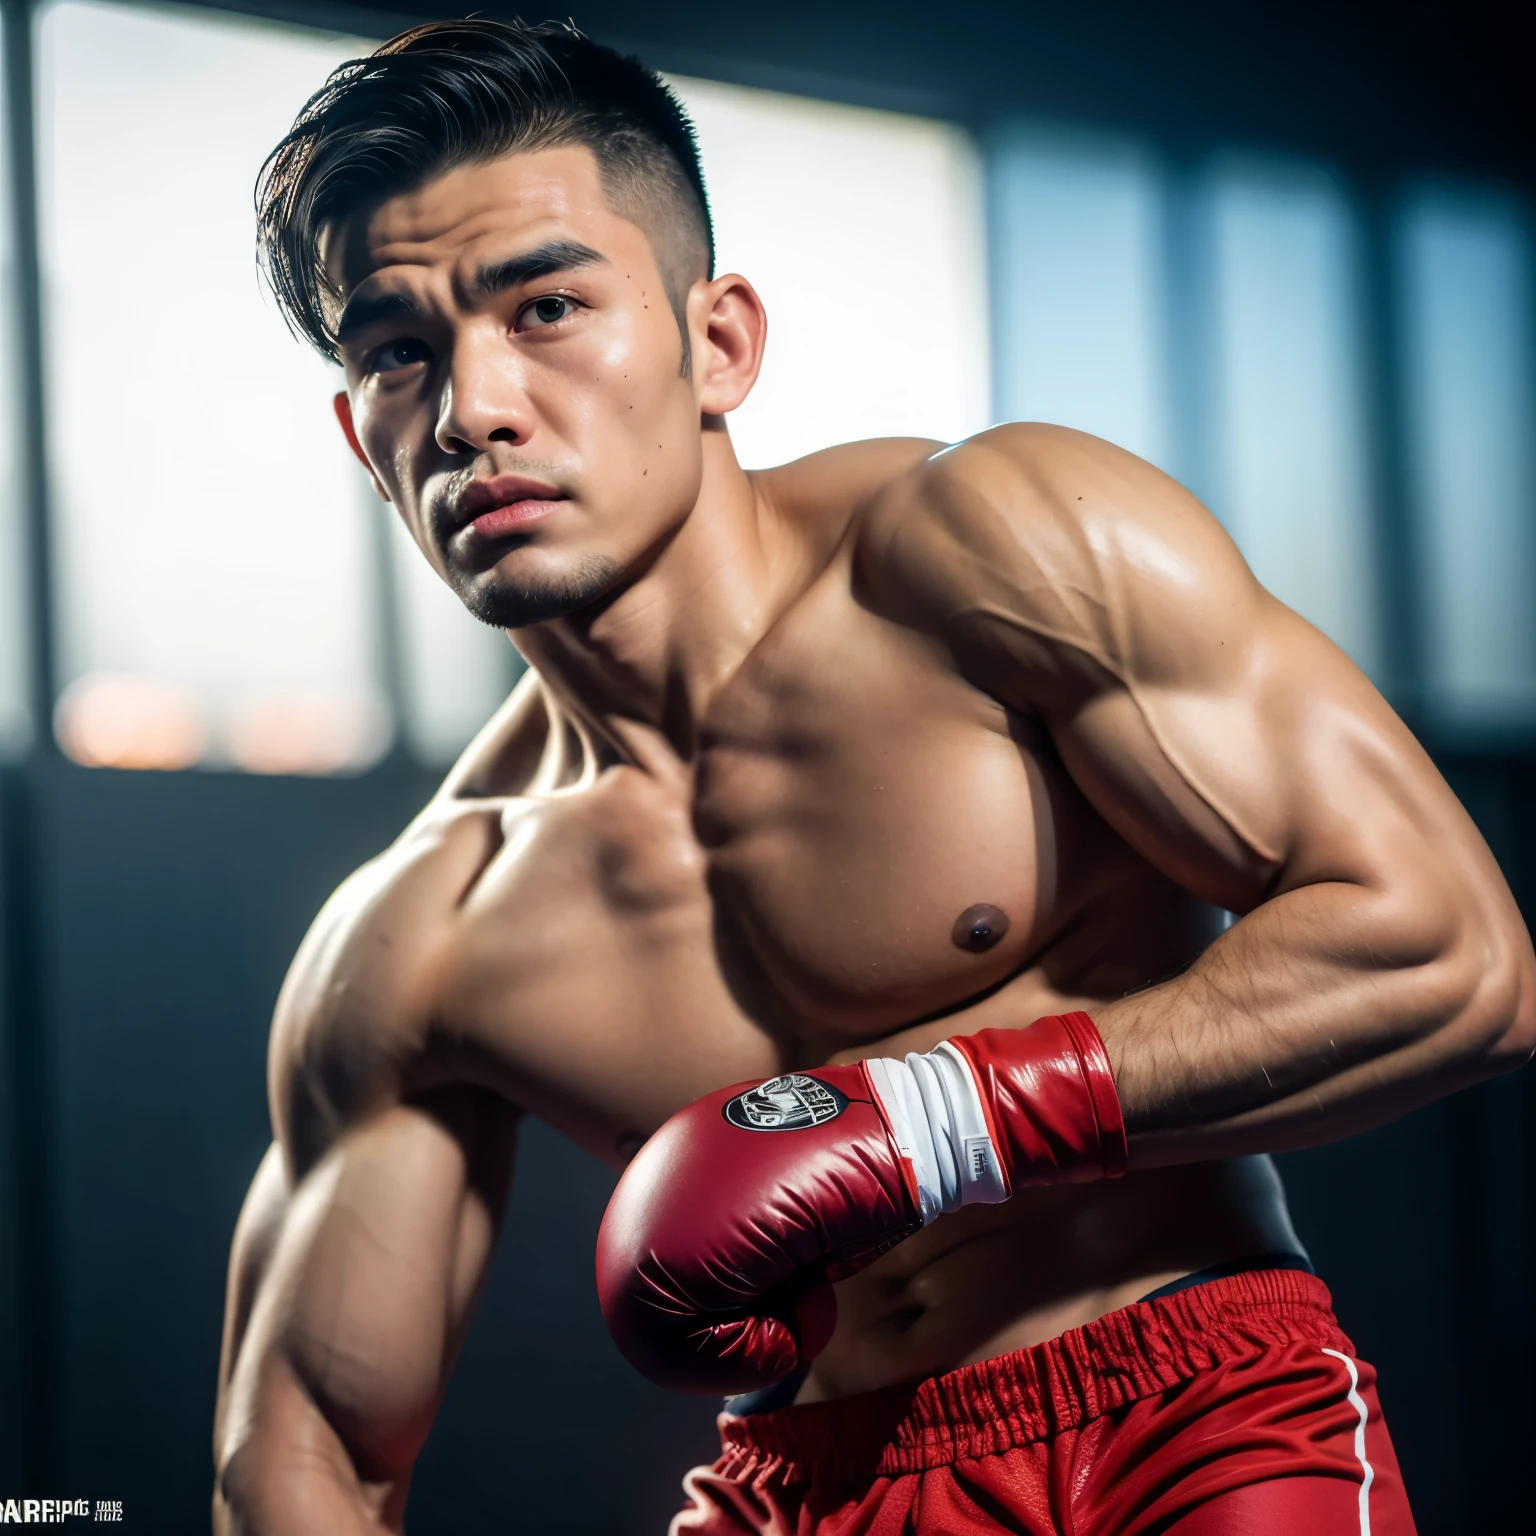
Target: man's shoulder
<point>822,491</point>
<point>358,997</point>
<point>1023,471</point>
<point>1031,478</point>
<point>1039,531</point>
<point>391,913</point>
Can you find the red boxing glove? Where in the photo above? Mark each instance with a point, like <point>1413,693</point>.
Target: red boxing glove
<point>717,1249</point>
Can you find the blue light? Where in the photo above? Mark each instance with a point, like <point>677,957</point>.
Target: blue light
<point>1466,282</point>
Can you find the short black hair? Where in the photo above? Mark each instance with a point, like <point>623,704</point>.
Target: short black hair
<point>458,93</point>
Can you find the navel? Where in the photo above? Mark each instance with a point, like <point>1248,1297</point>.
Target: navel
<point>978,928</point>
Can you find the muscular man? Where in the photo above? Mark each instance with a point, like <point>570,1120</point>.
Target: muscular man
<point>896,745</point>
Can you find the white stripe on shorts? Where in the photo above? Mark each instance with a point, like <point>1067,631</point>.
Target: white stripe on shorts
<point>1367,1472</point>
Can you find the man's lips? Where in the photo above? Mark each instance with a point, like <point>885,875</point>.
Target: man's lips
<point>506,504</point>
<point>513,517</point>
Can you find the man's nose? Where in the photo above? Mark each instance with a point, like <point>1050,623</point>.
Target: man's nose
<point>483,400</point>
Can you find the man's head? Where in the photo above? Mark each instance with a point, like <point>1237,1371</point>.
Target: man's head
<point>502,234</point>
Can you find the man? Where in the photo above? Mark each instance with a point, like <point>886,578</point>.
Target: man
<point>826,765</point>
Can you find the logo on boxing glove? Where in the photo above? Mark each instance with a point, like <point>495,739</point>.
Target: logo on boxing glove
<point>793,1102</point>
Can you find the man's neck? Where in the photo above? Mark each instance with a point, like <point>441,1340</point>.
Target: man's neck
<point>648,660</point>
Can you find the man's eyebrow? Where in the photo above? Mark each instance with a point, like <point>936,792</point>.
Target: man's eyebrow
<point>364,309</point>
<point>555,256</point>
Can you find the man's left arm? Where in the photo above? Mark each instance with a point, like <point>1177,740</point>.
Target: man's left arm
<point>1379,960</point>
<point>1378,963</point>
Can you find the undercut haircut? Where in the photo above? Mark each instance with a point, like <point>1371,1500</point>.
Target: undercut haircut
<point>458,93</point>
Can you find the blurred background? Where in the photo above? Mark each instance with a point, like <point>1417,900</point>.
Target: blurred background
<point>1283,250</point>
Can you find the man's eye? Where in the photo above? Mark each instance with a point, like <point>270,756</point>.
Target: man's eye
<point>401,353</point>
<point>545,311</point>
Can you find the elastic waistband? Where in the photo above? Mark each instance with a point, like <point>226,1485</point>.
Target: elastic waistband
<point>1233,1267</point>
<point>1029,1394</point>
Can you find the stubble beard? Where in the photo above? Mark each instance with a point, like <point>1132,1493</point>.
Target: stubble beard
<point>508,605</point>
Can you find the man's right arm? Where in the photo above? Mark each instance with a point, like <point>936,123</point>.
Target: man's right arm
<point>349,1293</point>
<point>371,1220</point>
<point>369,1225</point>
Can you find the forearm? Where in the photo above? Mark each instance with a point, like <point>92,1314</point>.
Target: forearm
<point>361,1297</point>
<point>280,1467</point>
<point>291,1474</point>
<point>310,1436</point>
<point>1326,1010</point>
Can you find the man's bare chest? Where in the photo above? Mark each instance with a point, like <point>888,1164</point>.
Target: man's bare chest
<point>880,839</point>
<point>859,841</point>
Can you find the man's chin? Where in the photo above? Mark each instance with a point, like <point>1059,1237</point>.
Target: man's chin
<point>503,603</point>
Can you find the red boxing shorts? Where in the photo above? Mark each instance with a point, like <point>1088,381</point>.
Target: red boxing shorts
<point>1232,1408</point>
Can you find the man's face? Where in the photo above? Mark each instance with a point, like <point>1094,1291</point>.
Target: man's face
<point>515,374</point>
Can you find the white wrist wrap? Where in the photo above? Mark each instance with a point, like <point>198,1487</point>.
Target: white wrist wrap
<point>934,1110</point>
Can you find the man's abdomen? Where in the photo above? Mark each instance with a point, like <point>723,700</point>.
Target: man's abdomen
<point>991,1279</point>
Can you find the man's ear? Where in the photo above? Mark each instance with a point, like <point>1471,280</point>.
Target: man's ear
<point>730,330</point>
<point>343,408</point>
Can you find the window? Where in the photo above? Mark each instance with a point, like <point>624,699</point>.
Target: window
<point>1076,228</point>
<point>1466,283</point>
<point>215,570</point>
<point>1290,438</point>
<point>863,232</point>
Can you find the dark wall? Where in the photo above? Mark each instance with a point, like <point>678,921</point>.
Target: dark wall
<point>1426,82</point>
<point>12,1373</point>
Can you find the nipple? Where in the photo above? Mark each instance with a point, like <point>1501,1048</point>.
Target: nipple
<point>978,928</point>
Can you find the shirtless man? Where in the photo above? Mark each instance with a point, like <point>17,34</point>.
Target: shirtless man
<point>895,745</point>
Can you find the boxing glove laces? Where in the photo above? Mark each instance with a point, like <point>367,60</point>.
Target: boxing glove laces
<point>719,1246</point>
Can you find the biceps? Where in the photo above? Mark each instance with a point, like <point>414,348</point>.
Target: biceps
<point>1281,768</point>
<point>1184,783</point>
